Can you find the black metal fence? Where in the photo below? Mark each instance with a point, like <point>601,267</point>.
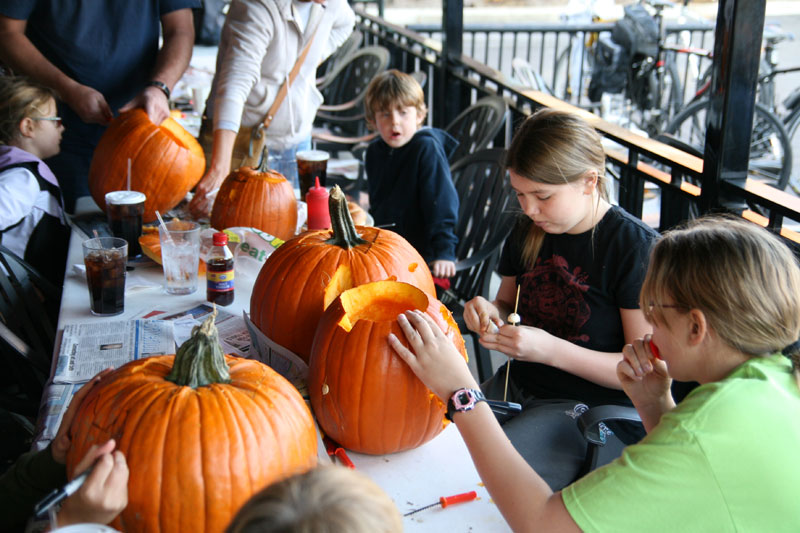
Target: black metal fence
<point>561,53</point>
<point>633,159</point>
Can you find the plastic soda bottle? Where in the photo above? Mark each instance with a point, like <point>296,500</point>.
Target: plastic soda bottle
<point>219,271</point>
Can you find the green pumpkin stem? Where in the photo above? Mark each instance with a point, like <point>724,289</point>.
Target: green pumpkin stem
<point>263,163</point>
<point>200,360</point>
<point>344,230</point>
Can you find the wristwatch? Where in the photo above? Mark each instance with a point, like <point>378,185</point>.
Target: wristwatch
<point>159,85</point>
<point>463,400</point>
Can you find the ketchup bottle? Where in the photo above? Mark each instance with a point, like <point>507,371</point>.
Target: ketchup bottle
<point>319,216</point>
<point>219,271</point>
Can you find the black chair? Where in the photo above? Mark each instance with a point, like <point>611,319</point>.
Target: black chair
<point>343,111</point>
<point>334,62</point>
<point>485,219</point>
<point>602,446</point>
<point>28,311</point>
<point>475,127</point>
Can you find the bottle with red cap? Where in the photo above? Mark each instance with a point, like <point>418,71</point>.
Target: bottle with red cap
<point>319,216</point>
<point>219,271</point>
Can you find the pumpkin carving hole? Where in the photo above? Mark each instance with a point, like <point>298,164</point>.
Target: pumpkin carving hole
<point>380,301</point>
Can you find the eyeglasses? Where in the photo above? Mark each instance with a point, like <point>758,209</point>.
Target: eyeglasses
<point>57,120</point>
<point>653,305</point>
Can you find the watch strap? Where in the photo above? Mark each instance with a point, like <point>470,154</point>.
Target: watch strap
<point>160,85</point>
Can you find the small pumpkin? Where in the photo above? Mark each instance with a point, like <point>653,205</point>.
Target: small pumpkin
<point>302,277</point>
<point>166,161</point>
<point>258,198</point>
<point>364,396</point>
<point>201,432</point>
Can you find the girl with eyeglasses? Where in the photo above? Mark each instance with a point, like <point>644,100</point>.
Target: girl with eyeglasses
<point>32,223</point>
<point>723,298</point>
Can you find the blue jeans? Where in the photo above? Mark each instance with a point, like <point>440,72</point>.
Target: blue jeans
<point>285,160</point>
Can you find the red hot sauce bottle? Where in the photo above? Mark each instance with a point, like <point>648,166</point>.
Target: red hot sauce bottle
<point>219,271</point>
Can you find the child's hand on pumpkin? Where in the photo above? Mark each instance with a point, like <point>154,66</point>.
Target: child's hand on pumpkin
<point>442,268</point>
<point>432,357</point>
<point>61,443</point>
<point>104,494</point>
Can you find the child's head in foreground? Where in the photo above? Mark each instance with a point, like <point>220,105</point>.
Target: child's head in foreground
<point>327,499</point>
<point>395,106</point>
<point>744,279</point>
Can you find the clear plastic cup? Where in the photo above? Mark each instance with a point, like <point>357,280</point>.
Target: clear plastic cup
<point>106,259</point>
<point>180,255</point>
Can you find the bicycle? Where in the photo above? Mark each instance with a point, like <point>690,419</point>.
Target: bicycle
<point>771,153</point>
<point>633,59</point>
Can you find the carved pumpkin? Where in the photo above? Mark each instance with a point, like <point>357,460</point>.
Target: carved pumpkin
<point>302,277</point>
<point>166,161</point>
<point>365,397</point>
<point>201,432</point>
<point>259,198</point>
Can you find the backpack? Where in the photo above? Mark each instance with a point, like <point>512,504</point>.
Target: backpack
<point>610,70</point>
<point>637,32</point>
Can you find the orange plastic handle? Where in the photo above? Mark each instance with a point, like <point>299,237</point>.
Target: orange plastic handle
<point>458,498</point>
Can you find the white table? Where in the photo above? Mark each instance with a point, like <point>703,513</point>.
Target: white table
<point>413,479</point>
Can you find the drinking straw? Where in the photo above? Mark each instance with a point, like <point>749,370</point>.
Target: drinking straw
<point>163,225</point>
<point>129,173</point>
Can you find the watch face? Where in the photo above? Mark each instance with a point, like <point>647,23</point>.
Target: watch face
<point>465,398</point>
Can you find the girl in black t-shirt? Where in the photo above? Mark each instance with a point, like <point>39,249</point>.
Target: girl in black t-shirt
<point>579,263</point>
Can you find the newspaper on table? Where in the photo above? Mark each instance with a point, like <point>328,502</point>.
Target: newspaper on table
<point>233,335</point>
<point>88,348</point>
<point>285,362</point>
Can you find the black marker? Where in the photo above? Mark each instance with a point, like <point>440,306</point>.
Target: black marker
<point>59,495</point>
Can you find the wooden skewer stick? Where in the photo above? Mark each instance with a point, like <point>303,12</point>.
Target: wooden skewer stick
<point>514,319</point>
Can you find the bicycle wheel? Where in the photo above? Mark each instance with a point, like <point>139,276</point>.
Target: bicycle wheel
<point>792,124</point>
<point>770,147</point>
<point>573,73</point>
<point>654,104</point>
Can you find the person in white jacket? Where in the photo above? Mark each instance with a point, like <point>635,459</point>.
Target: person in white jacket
<point>260,43</point>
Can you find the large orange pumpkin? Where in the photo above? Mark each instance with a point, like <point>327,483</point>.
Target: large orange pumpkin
<point>201,433</point>
<point>166,161</point>
<point>364,395</point>
<point>302,277</point>
<point>256,198</point>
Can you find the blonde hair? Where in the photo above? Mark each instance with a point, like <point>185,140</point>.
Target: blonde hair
<point>327,499</point>
<point>392,89</point>
<point>556,148</point>
<point>743,278</point>
<point>20,97</point>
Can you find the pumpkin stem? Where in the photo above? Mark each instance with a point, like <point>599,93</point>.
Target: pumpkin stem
<point>344,230</point>
<point>263,163</point>
<point>200,361</point>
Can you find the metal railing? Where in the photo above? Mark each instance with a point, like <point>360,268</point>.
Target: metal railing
<point>633,159</point>
<point>559,50</point>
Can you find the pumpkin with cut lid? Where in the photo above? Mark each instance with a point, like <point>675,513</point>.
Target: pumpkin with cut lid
<point>201,432</point>
<point>302,277</point>
<point>364,396</point>
<point>166,161</point>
